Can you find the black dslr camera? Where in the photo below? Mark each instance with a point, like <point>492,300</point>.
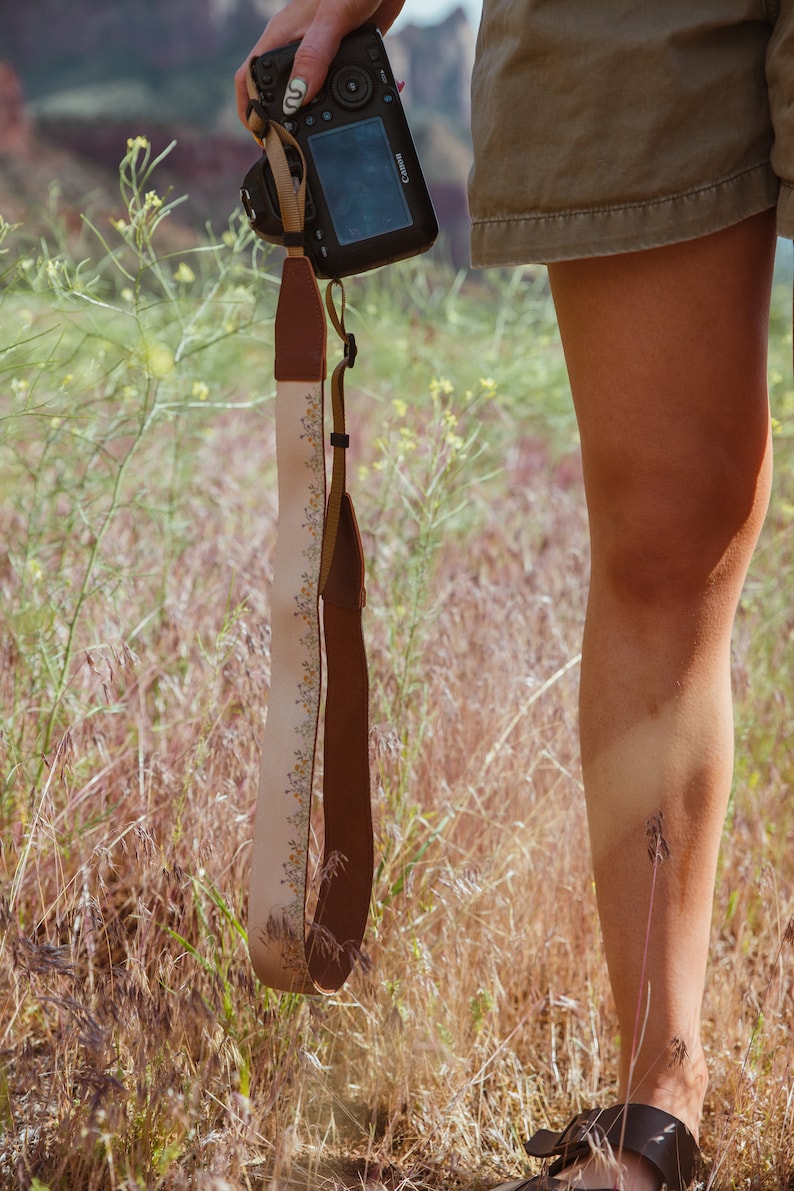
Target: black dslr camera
<point>367,203</point>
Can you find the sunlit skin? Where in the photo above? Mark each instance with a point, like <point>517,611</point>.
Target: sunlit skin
<point>666,353</point>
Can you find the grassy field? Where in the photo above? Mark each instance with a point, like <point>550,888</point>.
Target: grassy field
<point>136,535</point>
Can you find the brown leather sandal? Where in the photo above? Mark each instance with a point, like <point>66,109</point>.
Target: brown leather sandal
<point>660,1138</point>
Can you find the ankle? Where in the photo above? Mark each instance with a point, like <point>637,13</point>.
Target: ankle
<point>679,1088</point>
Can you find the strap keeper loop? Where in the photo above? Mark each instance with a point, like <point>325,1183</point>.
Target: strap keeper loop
<point>350,349</point>
<point>340,440</point>
<point>293,239</point>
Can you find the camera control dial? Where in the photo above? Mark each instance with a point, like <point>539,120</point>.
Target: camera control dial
<point>352,86</point>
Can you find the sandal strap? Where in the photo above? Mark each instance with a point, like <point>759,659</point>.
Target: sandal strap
<point>641,1129</point>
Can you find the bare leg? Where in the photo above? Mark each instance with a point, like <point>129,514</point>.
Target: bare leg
<point>666,352</point>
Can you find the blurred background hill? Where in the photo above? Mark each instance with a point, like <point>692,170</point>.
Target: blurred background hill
<point>76,80</point>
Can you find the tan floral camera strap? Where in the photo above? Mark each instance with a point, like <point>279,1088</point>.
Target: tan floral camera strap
<point>295,945</point>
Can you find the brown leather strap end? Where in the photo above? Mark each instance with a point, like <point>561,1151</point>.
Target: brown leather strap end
<point>343,904</point>
<point>300,324</point>
<point>345,584</point>
<point>334,943</point>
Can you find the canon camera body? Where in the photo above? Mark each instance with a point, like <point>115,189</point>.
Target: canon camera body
<point>367,202</point>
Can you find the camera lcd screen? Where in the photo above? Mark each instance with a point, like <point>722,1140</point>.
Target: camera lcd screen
<point>359,178</point>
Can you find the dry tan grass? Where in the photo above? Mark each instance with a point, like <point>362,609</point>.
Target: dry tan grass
<point>138,1050</point>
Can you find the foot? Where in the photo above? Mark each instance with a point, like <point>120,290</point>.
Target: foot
<point>629,1147</point>
<point>630,1172</point>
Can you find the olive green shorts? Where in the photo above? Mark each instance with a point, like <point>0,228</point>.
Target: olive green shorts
<point>627,124</point>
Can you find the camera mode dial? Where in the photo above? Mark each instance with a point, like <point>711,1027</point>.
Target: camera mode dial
<point>352,87</point>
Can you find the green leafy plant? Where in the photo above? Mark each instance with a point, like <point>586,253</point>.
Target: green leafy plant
<point>136,543</point>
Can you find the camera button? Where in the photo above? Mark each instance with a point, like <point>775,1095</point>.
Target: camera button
<point>388,97</point>
<point>267,80</point>
<point>319,234</point>
<point>351,86</point>
<point>290,126</point>
<point>310,121</point>
<point>327,116</point>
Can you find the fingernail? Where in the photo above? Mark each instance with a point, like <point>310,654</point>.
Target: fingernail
<point>295,95</point>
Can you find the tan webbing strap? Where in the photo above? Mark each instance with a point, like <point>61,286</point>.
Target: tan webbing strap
<point>291,194</point>
<point>344,899</point>
<point>339,438</point>
<point>286,951</point>
<point>257,121</point>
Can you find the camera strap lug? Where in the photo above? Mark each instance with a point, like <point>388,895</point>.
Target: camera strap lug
<point>318,553</point>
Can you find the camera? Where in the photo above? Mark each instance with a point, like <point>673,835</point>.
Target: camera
<point>367,203</point>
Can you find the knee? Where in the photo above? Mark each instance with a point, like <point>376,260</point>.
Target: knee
<point>673,540</point>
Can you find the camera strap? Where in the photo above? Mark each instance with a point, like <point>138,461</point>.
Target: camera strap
<point>294,945</point>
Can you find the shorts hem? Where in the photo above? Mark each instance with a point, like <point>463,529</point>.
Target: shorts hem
<point>785,210</point>
<point>630,227</point>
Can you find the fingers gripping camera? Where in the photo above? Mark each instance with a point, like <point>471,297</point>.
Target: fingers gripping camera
<point>367,202</point>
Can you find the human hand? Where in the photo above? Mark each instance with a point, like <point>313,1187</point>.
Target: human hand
<point>320,25</point>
